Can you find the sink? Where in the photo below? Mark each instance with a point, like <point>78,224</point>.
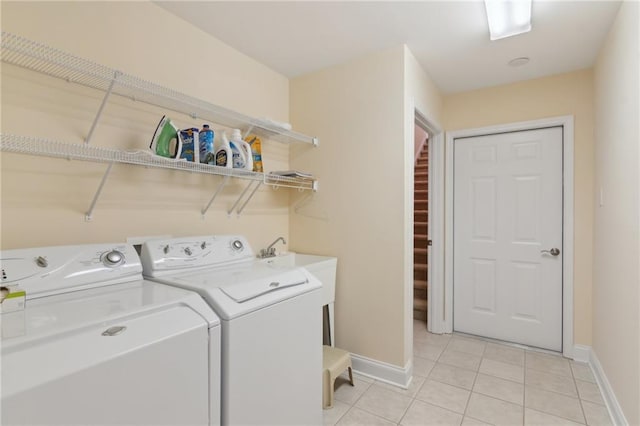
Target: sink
<point>322,267</point>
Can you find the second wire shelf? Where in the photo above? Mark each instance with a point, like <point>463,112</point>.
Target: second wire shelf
<point>99,154</point>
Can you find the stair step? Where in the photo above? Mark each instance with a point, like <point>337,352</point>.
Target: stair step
<point>421,174</point>
<point>418,250</point>
<point>421,191</point>
<point>417,223</point>
<point>420,266</point>
<point>420,284</point>
<point>419,315</point>
<point>422,167</point>
<point>420,304</point>
<point>419,236</point>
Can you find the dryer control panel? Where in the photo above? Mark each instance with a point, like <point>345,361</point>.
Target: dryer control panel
<point>171,255</point>
<point>51,270</point>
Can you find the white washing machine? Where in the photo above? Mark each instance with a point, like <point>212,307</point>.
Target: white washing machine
<point>271,326</point>
<point>97,344</point>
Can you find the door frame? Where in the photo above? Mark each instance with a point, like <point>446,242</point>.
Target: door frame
<point>436,254</point>
<point>444,297</point>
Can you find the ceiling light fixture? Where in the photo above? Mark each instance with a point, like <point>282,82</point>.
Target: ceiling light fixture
<point>508,17</point>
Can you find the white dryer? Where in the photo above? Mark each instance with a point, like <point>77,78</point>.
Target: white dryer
<point>271,326</point>
<point>97,344</point>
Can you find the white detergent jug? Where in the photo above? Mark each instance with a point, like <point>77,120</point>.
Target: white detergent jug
<point>244,148</point>
<point>224,156</point>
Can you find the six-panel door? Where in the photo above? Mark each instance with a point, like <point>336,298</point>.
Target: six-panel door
<point>507,212</point>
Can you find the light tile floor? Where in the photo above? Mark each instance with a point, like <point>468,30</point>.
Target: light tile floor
<point>458,380</point>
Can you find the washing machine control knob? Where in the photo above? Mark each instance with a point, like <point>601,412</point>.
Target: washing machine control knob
<point>203,245</point>
<point>166,249</point>
<point>42,262</point>
<point>113,258</point>
<point>237,245</point>
<point>188,251</point>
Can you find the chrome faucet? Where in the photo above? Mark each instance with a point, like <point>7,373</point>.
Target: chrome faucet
<point>270,251</point>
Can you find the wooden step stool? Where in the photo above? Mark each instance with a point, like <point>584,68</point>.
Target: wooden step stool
<point>334,362</point>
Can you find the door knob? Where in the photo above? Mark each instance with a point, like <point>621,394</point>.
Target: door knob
<point>553,252</point>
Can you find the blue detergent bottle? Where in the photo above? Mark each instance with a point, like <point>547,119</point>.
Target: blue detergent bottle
<point>207,150</point>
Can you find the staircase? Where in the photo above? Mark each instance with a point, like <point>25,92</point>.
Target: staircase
<point>420,238</point>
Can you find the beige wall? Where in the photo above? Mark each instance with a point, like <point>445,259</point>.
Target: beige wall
<point>616,273</point>
<point>357,215</point>
<point>44,200</point>
<point>565,94</point>
<point>421,96</point>
<point>363,112</point>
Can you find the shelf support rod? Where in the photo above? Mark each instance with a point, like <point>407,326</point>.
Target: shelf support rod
<point>215,194</point>
<point>102,105</point>
<point>239,198</point>
<point>89,213</point>
<point>247,132</point>
<point>249,198</point>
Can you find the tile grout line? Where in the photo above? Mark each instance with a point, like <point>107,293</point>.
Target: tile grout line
<point>559,415</point>
<point>404,413</point>
<point>436,362</point>
<point>575,385</point>
<point>353,404</point>
<point>473,385</point>
<point>524,391</point>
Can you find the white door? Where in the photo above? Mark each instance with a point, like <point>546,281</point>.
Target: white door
<point>508,237</point>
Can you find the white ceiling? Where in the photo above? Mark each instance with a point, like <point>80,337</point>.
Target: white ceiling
<point>450,39</point>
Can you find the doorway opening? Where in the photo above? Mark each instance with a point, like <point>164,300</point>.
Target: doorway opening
<point>420,224</point>
<point>427,222</point>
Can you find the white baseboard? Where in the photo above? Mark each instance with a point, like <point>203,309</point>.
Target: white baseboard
<point>382,371</point>
<point>582,353</point>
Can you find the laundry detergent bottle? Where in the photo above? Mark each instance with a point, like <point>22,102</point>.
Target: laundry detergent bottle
<point>244,148</point>
<point>207,150</point>
<point>224,156</point>
<point>238,154</point>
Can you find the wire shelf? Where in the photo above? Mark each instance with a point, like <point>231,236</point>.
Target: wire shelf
<point>38,57</point>
<point>73,151</point>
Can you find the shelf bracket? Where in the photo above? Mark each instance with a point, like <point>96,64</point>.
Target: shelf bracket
<point>89,213</point>
<point>102,105</point>
<point>249,198</point>
<point>247,132</point>
<point>240,198</point>
<point>215,194</point>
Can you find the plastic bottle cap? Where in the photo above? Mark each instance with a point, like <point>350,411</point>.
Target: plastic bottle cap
<point>236,135</point>
<point>205,126</point>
